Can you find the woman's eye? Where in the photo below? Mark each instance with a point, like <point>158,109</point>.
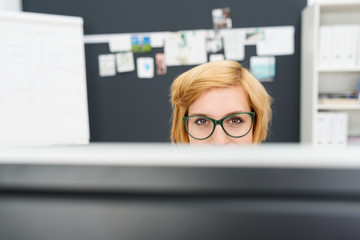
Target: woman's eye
<point>202,121</point>
<point>235,121</point>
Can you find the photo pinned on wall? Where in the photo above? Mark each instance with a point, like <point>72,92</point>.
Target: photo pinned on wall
<point>185,48</point>
<point>145,67</point>
<point>161,68</point>
<point>213,41</point>
<point>216,57</point>
<point>221,18</point>
<point>253,36</point>
<point>107,65</point>
<point>125,62</point>
<point>234,44</point>
<point>277,41</point>
<point>263,68</point>
<point>140,43</point>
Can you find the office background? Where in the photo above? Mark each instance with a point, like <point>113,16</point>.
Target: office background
<point>125,108</point>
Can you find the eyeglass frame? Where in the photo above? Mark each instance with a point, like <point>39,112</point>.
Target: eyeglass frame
<point>220,122</point>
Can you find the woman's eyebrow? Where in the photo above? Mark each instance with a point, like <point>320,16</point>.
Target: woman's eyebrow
<point>231,113</point>
<point>201,114</point>
<point>210,116</point>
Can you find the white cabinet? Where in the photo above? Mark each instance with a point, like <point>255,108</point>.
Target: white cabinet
<point>334,78</point>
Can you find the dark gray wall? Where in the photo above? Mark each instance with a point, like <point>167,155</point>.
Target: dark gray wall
<point>127,109</point>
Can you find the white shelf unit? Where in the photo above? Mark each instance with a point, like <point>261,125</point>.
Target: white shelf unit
<point>315,79</point>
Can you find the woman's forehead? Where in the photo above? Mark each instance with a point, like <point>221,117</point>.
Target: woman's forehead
<point>218,102</point>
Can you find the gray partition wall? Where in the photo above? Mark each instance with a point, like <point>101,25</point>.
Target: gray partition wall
<point>125,108</point>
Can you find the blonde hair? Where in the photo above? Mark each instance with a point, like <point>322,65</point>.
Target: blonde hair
<point>188,87</point>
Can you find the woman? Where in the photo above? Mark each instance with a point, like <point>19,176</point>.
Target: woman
<point>219,103</point>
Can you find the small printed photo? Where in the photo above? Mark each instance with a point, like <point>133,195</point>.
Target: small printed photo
<point>140,43</point>
<point>145,67</point>
<point>107,65</point>
<point>125,62</point>
<point>263,68</point>
<point>221,18</point>
<point>253,36</point>
<point>161,68</point>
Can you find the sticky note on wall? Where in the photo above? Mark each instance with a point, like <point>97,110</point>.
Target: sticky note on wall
<point>145,67</point>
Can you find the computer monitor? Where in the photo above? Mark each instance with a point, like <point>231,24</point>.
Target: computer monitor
<point>162,192</point>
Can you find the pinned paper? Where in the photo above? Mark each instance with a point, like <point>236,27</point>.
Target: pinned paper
<point>161,68</point>
<point>213,41</point>
<point>157,39</point>
<point>107,65</point>
<point>140,43</point>
<point>277,41</point>
<point>145,67</point>
<point>120,43</point>
<point>186,48</point>
<point>125,62</point>
<point>263,68</point>
<point>216,57</point>
<point>221,18</point>
<point>234,44</point>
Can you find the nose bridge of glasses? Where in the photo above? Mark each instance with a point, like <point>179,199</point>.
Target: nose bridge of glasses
<point>219,135</point>
<point>217,122</point>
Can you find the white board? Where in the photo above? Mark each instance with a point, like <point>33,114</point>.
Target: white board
<point>43,96</point>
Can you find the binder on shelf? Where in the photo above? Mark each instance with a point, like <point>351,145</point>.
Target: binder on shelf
<point>350,39</point>
<point>325,46</point>
<point>338,128</point>
<point>322,128</point>
<point>337,47</point>
<point>340,40</point>
<point>332,128</point>
<point>358,47</point>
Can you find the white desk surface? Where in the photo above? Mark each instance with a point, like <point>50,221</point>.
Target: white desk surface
<point>265,155</point>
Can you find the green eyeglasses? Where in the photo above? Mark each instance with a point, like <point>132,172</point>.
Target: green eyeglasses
<point>236,125</point>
